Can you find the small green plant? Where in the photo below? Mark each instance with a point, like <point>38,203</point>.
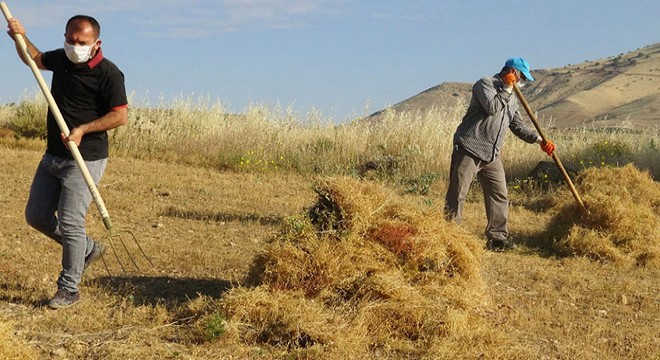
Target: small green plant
<point>421,185</point>
<point>296,226</point>
<point>607,152</point>
<point>215,327</point>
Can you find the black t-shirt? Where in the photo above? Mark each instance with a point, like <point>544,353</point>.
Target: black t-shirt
<point>83,93</point>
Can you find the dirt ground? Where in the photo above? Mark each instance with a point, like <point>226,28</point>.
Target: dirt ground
<point>202,228</point>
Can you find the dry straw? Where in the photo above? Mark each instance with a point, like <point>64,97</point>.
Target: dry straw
<point>623,221</point>
<point>366,272</point>
<point>11,347</point>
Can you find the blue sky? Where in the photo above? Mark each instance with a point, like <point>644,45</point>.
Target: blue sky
<point>342,58</point>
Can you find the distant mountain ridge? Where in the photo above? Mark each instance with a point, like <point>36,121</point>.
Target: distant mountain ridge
<point>603,93</point>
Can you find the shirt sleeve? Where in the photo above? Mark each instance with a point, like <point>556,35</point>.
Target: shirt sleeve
<point>491,97</point>
<point>520,130</point>
<point>114,90</point>
<point>48,59</point>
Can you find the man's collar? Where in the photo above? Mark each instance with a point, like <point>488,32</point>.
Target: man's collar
<point>96,59</point>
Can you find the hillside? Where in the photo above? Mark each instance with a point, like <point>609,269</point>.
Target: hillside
<point>602,93</point>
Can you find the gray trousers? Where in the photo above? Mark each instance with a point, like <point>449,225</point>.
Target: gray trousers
<point>57,206</point>
<point>491,176</point>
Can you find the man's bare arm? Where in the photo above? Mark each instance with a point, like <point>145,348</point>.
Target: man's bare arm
<point>15,27</point>
<point>116,117</point>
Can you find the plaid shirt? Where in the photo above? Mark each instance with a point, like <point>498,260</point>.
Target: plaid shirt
<point>491,111</point>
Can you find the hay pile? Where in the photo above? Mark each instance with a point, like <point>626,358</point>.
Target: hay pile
<point>365,273</point>
<point>622,224</point>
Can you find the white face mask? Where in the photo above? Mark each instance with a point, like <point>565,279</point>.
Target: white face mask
<point>78,54</point>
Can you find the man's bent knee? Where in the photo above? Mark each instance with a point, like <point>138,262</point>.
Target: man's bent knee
<point>44,223</point>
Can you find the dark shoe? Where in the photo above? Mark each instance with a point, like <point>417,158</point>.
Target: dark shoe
<point>97,252</point>
<point>500,245</point>
<point>63,299</point>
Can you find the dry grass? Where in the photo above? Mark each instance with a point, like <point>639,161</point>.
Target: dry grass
<point>11,346</point>
<point>200,231</point>
<point>204,228</point>
<point>274,139</point>
<point>622,223</point>
<point>400,146</point>
<point>573,308</point>
<point>367,273</point>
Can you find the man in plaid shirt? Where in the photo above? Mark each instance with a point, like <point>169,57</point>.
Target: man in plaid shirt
<point>478,145</point>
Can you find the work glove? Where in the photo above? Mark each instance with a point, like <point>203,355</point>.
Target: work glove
<point>548,146</point>
<point>509,80</point>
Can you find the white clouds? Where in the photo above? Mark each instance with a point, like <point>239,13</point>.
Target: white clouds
<point>191,18</point>
<point>204,18</point>
<point>233,15</point>
<point>413,10</point>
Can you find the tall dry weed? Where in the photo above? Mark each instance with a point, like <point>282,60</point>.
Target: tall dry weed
<point>262,138</point>
<point>399,145</point>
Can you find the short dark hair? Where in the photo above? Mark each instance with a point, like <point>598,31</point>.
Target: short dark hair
<point>85,18</point>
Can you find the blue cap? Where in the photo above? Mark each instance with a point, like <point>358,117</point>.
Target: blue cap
<point>521,65</point>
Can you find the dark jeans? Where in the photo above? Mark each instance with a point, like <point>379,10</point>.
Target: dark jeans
<point>464,167</point>
<point>57,206</point>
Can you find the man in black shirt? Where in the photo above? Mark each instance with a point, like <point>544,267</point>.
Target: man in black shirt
<point>89,91</point>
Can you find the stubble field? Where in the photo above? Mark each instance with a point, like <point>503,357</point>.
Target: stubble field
<point>203,229</point>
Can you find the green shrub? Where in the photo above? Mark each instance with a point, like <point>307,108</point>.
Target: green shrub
<point>29,120</point>
<point>421,185</point>
<point>608,152</point>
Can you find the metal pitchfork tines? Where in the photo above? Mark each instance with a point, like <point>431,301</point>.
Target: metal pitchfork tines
<point>118,235</point>
<point>79,159</point>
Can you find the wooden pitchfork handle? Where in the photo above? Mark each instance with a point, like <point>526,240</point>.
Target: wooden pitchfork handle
<point>545,139</point>
<point>60,122</point>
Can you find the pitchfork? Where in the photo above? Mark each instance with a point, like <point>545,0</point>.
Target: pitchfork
<point>555,157</point>
<point>79,161</point>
